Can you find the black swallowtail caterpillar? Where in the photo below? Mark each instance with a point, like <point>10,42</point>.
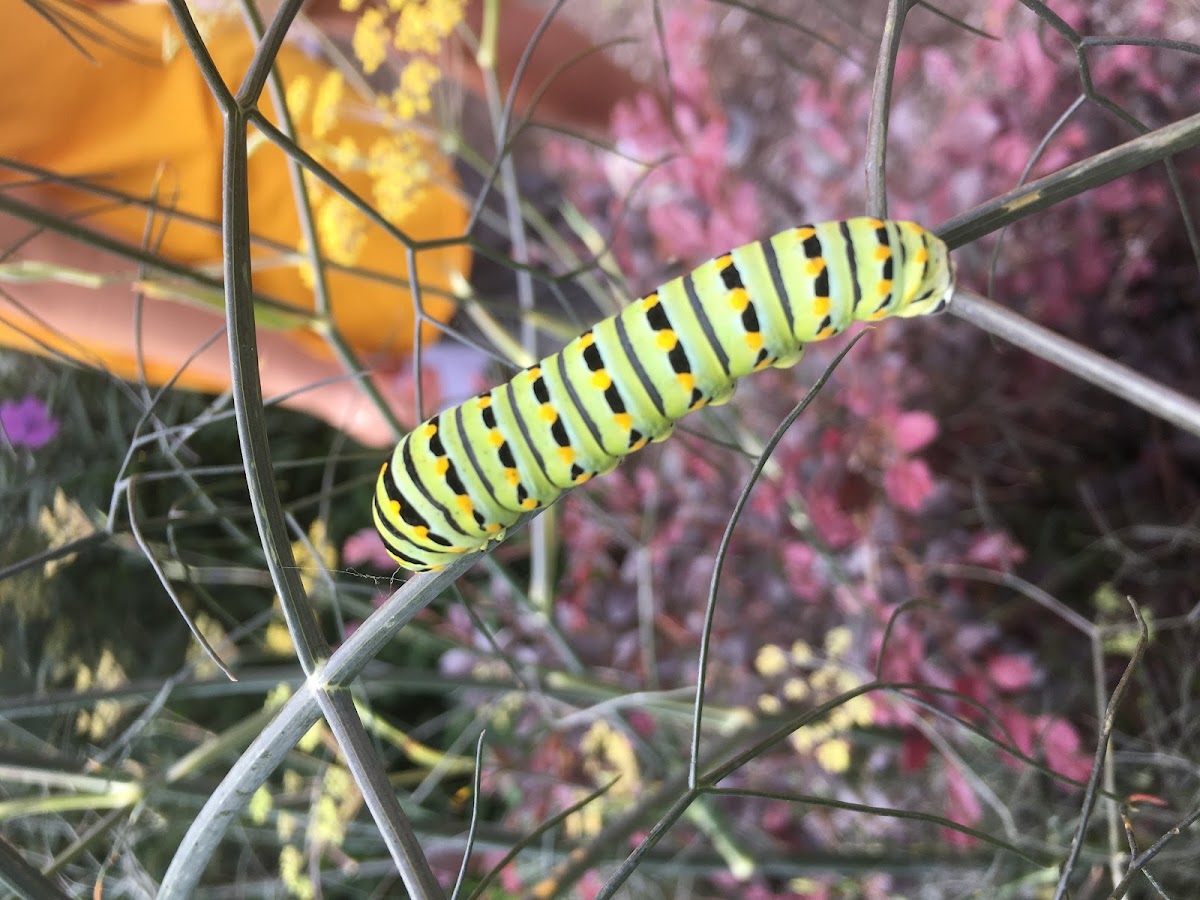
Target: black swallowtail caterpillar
<point>458,480</point>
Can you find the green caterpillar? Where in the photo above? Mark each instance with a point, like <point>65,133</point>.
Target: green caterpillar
<point>457,481</point>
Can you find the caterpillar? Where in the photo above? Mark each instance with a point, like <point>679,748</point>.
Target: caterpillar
<point>457,481</point>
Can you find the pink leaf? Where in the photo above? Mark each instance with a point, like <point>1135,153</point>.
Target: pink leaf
<point>1010,672</point>
<point>835,527</point>
<point>914,751</point>
<point>1063,748</point>
<point>961,805</point>
<point>1020,730</point>
<point>939,67</point>
<point>798,560</point>
<point>913,430</point>
<point>365,546</point>
<point>908,484</point>
<point>995,548</point>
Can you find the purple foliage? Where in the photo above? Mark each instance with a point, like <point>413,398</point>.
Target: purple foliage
<point>852,520</point>
<point>673,165</point>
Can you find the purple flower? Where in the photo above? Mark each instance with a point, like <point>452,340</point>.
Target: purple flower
<point>27,423</point>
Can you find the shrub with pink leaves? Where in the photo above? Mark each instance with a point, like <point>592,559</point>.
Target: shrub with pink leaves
<point>861,510</point>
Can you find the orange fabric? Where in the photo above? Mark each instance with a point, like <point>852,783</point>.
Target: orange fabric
<point>133,123</point>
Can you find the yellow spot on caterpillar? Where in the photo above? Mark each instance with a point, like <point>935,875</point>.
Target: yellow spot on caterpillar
<point>723,261</point>
<point>567,455</point>
<point>548,413</point>
<point>484,402</point>
<point>464,502</point>
<point>638,444</point>
<point>814,266</point>
<point>754,340</point>
<point>586,340</point>
<point>601,380</point>
<point>420,532</point>
<point>394,509</point>
<point>875,223</point>
<point>586,476</point>
<point>687,380</point>
<point>650,301</point>
<point>884,287</point>
<point>442,466</point>
<point>512,476</point>
<point>765,364</point>
<point>434,568</point>
<point>624,421</point>
<point>535,373</point>
<point>666,339</point>
<point>882,253</point>
<point>803,234</point>
<point>739,299</point>
<point>821,306</point>
<point>921,255</point>
<point>824,333</point>
<point>495,438</point>
<point>529,503</point>
<point>880,314</point>
<point>491,528</point>
<point>699,404</point>
<point>428,430</point>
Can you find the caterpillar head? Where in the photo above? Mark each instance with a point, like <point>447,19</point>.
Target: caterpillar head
<point>928,287</point>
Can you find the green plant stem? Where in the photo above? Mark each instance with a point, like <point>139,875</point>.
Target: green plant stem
<point>1121,381</point>
<point>1071,181</point>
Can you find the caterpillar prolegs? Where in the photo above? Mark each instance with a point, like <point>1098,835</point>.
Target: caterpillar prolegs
<point>458,480</point>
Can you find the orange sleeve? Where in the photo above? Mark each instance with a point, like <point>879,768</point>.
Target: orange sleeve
<point>138,120</point>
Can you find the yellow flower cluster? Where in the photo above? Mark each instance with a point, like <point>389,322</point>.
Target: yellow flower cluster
<point>423,25</point>
<point>398,170</point>
<point>336,806</point>
<point>328,105</point>
<point>413,95</point>
<point>343,229</point>
<point>293,873</point>
<point>298,95</point>
<point>399,163</point>
<point>63,524</point>
<point>370,39</point>
<point>316,556</point>
<point>607,756</point>
<point>95,724</point>
<point>825,676</point>
<point>419,31</point>
<point>314,564</point>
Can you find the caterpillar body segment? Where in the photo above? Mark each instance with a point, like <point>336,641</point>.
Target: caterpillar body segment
<point>459,480</point>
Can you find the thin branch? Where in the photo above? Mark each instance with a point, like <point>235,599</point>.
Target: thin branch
<point>1071,180</point>
<point>1090,795</point>
<point>294,719</point>
<point>1121,381</point>
<point>881,99</point>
